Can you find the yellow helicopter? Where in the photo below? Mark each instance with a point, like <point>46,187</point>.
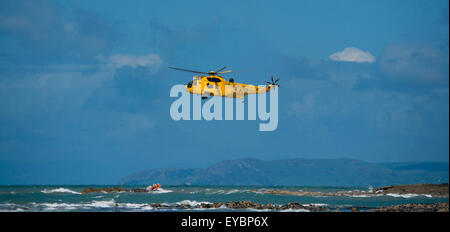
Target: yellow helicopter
<point>212,84</point>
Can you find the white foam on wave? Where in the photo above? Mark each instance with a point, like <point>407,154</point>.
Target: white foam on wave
<point>102,204</point>
<point>66,206</point>
<point>10,207</point>
<point>258,210</point>
<point>237,191</point>
<point>192,203</point>
<point>408,195</point>
<point>364,195</point>
<point>135,206</point>
<point>226,192</point>
<point>220,191</point>
<point>56,206</point>
<point>294,210</point>
<point>233,191</point>
<point>147,207</point>
<point>59,190</point>
<point>161,190</point>
<point>59,206</point>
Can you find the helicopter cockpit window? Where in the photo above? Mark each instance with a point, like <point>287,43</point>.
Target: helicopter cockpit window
<point>214,79</point>
<point>189,84</point>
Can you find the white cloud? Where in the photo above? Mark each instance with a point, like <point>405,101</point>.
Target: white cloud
<point>123,60</point>
<point>352,54</point>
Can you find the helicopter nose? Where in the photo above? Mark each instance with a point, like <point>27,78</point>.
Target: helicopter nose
<point>189,85</point>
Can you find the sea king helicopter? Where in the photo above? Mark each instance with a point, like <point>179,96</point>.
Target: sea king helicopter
<point>212,84</point>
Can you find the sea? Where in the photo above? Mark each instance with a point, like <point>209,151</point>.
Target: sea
<point>70,198</point>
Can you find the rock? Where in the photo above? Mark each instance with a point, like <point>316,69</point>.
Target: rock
<point>156,205</point>
<point>111,190</point>
<point>437,207</point>
<point>436,190</point>
<point>431,189</point>
<point>139,190</point>
<point>294,205</point>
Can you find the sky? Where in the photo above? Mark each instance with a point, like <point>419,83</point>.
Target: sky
<point>84,85</point>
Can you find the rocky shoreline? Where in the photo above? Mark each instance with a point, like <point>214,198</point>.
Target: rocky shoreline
<point>437,207</point>
<point>297,207</point>
<point>435,190</point>
<point>430,190</point>
<point>112,190</point>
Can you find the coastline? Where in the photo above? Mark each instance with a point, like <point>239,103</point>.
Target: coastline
<point>297,207</point>
<point>429,190</point>
<point>426,190</point>
<point>110,198</point>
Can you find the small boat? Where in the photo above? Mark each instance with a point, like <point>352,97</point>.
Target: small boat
<point>153,187</point>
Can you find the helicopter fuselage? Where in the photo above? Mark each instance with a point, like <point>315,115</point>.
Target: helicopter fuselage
<point>214,85</point>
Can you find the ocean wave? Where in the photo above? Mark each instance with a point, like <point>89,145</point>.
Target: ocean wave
<point>259,210</point>
<point>226,192</point>
<point>103,204</point>
<point>364,195</point>
<point>59,206</point>
<point>135,206</point>
<point>405,195</point>
<point>192,203</point>
<point>8,207</point>
<point>233,191</point>
<point>73,206</point>
<point>59,190</point>
<point>211,192</point>
<point>93,205</point>
<point>295,210</point>
<point>408,195</point>
<point>160,190</point>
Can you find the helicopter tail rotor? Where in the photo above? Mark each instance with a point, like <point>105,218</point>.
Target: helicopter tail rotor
<point>273,82</point>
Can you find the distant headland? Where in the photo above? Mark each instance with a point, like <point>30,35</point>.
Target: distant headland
<point>297,172</point>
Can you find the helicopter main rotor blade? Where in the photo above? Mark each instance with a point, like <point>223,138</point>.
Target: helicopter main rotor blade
<point>228,71</point>
<point>221,69</point>
<point>187,70</point>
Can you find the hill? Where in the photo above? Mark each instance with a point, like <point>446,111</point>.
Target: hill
<point>299,172</point>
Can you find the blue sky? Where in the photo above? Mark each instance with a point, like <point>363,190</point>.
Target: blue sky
<point>84,85</point>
